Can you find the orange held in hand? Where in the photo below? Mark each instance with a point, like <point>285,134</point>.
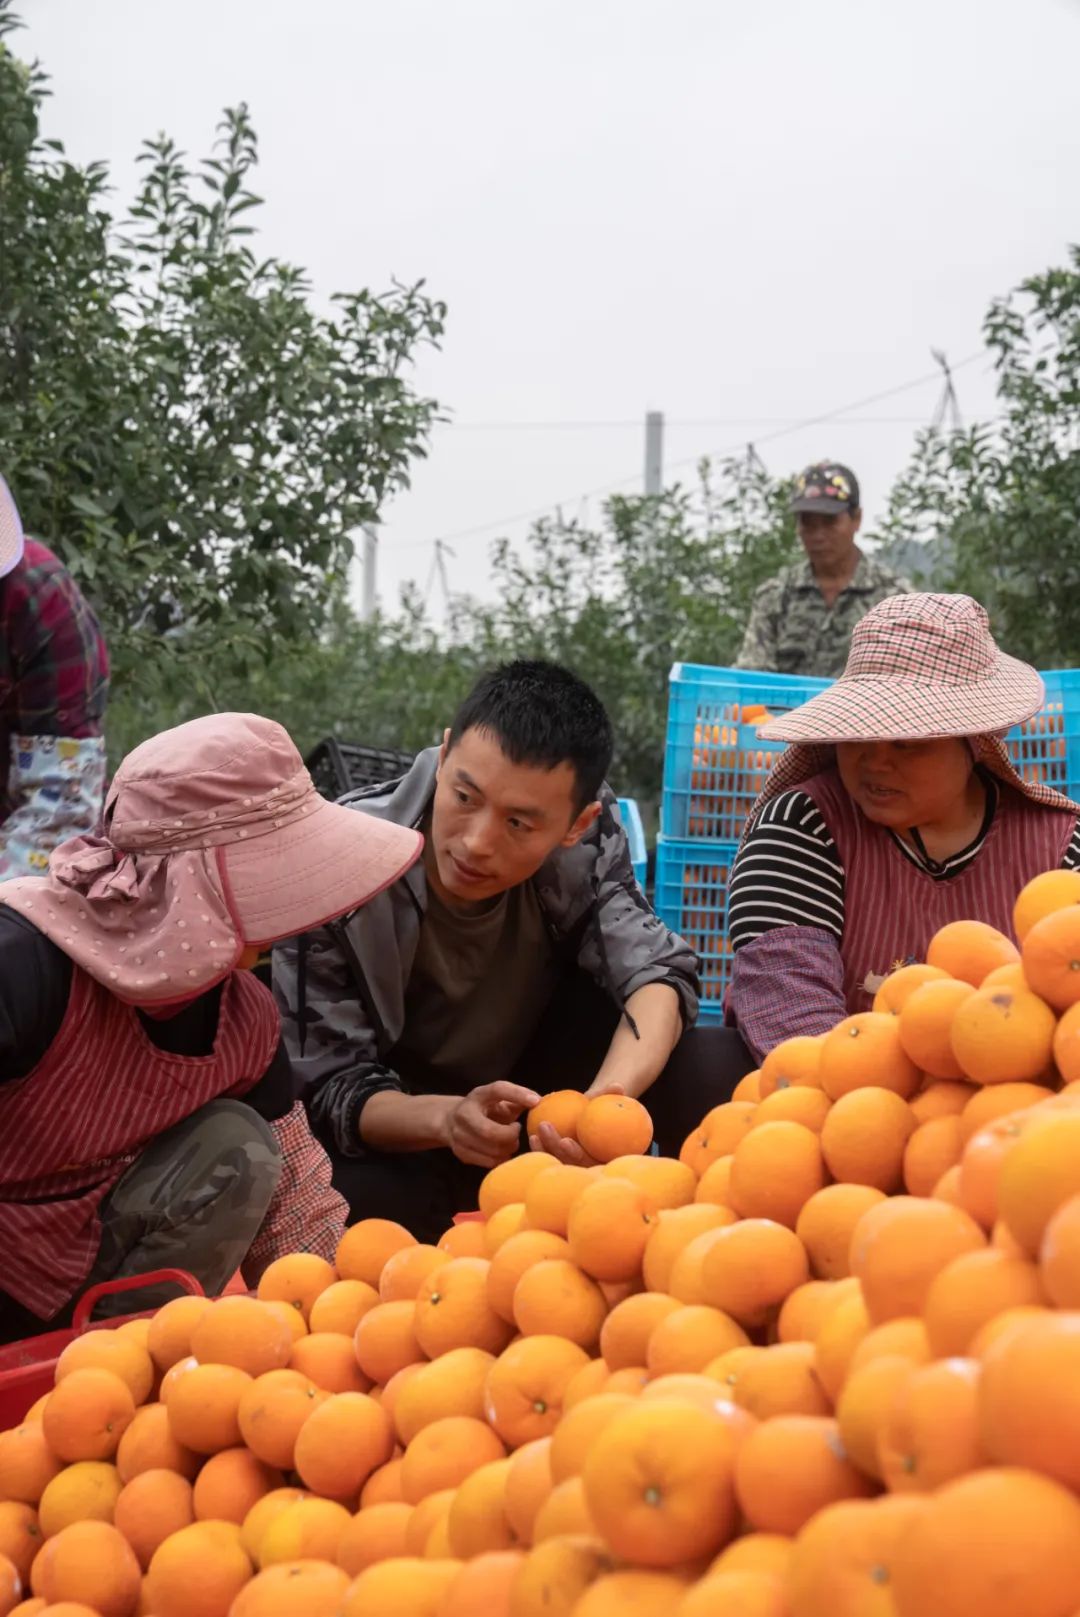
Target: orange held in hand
<point>614,1126</point>
<point>562,1109</point>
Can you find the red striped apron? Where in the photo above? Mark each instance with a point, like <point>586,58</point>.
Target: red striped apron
<point>73,1125</point>
<point>892,908</point>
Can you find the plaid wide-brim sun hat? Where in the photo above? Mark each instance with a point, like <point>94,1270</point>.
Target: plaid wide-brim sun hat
<point>12,540</point>
<point>920,667</point>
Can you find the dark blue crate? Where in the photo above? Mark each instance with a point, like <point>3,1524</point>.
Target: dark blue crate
<point>715,764</point>
<point>630,815</point>
<point>691,898</point>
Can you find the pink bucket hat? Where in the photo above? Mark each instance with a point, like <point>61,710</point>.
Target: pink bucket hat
<point>11,533</point>
<point>920,666</point>
<point>215,840</point>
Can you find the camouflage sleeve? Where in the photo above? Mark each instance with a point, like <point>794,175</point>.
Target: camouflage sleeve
<point>629,945</point>
<point>759,647</point>
<point>329,1037</point>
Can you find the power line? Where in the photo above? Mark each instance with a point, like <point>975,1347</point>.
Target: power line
<point>673,421</point>
<point>692,460</point>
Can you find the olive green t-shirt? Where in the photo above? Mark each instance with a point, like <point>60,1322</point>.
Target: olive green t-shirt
<point>481,980</point>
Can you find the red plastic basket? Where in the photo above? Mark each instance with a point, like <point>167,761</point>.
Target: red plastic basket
<point>27,1368</point>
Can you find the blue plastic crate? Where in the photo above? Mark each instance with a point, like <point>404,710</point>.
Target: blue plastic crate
<point>630,815</point>
<point>715,764</point>
<point>691,898</point>
<point>1046,750</point>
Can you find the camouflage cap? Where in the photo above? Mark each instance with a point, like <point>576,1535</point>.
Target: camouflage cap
<point>826,487</point>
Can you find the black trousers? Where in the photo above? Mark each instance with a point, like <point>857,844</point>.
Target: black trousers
<point>424,1189</point>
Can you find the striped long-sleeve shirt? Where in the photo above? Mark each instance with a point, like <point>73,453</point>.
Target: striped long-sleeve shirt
<point>788,871</point>
<point>808,934</point>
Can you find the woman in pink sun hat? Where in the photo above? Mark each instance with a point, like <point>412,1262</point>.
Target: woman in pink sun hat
<point>148,1114</point>
<point>894,810</point>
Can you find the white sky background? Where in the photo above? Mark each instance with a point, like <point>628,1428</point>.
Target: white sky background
<point>742,214</point>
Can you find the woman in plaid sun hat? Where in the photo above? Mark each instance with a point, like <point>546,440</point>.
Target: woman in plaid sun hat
<point>894,810</point>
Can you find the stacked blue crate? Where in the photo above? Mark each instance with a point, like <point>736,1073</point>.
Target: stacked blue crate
<point>715,765</point>
<point>630,815</point>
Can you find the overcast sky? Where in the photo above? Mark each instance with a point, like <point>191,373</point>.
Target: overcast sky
<point>741,214</point>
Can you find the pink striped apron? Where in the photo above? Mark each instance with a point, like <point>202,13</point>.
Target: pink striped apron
<point>892,908</point>
<point>100,1093</point>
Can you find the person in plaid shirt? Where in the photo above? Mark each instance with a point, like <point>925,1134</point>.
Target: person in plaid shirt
<point>54,682</point>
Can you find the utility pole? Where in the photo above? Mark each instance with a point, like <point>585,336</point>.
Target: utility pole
<point>948,405</point>
<point>370,532</point>
<point>654,452</point>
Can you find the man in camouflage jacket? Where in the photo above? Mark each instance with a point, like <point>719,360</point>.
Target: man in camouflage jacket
<point>801,619</point>
<point>406,1020</point>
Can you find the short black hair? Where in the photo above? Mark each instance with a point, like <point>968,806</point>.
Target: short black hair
<point>542,714</point>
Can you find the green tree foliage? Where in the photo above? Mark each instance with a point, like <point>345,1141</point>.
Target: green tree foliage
<point>197,441</point>
<point>1001,501</point>
<point>659,580</point>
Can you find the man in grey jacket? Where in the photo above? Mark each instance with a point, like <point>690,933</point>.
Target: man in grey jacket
<point>409,1020</point>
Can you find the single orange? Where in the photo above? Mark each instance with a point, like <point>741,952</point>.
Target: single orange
<point>342,1306</point>
<point>525,1387</point>
<point>1051,956</point>
<point>1053,890</point>
<point>244,1333</point>
<point>659,1482</point>
<point>614,1126</point>
<point>562,1109</point>
<point>970,950</point>
<point>751,1267</point>
<point>901,1245</point>
<point>899,986</point>
<point>793,1062</point>
<point>298,1280</point>
<point>272,1411</point>
<point>827,1221</point>
<point>453,1310</point>
<point>865,1050</point>
<point>609,1228</point>
<point>1001,1035</point>
<point>931,1151</point>
<point>925,1025</point>
<point>930,1434</point>
<point>791,1467</point>
<point>230,1483</point>
<point>972,1290</point>
<point>342,1443</point>
<point>452,1384</point>
<point>775,1170</point>
<point>365,1247</point>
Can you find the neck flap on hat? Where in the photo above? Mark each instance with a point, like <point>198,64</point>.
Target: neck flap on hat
<point>154,928</point>
<point>803,761</point>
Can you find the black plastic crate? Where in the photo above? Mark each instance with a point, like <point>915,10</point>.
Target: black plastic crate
<point>338,767</point>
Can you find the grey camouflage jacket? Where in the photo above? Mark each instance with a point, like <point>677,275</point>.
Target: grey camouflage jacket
<point>341,989</point>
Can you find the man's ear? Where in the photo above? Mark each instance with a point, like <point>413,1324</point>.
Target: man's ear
<point>856,517</point>
<point>443,750</point>
<point>588,817</point>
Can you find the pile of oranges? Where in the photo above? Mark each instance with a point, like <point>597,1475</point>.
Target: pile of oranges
<point>826,1364</point>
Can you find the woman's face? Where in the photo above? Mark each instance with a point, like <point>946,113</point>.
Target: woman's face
<point>904,783</point>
